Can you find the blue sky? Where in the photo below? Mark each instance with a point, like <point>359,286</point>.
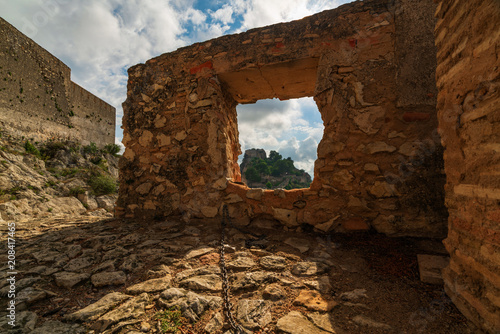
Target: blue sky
<point>100,39</point>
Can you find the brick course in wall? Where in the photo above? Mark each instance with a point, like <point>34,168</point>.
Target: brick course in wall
<point>379,163</point>
<point>468,78</point>
<point>38,99</point>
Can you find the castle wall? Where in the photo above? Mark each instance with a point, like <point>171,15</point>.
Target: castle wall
<point>39,101</point>
<point>468,78</point>
<point>379,163</point>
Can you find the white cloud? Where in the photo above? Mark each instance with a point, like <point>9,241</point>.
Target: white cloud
<point>118,141</point>
<point>224,14</point>
<point>260,13</point>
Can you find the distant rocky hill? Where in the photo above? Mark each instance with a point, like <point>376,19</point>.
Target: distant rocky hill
<point>273,172</point>
<point>55,178</point>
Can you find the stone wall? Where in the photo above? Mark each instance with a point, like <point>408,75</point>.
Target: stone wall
<point>379,163</point>
<point>38,99</point>
<point>468,78</point>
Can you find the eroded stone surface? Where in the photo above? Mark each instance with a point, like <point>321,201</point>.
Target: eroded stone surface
<point>309,268</point>
<point>296,323</point>
<point>131,308</point>
<point>152,285</point>
<point>314,301</point>
<point>108,278</point>
<point>94,311</point>
<point>68,279</point>
<point>253,314</point>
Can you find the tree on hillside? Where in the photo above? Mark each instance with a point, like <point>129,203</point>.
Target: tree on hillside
<point>262,167</point>
<point>274,156</point>
<point>282,167</point>
<point>252,175</point>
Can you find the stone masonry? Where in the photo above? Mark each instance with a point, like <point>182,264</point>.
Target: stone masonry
<point>38,100</point>
<point>468,72</point>
<point>379,163</point>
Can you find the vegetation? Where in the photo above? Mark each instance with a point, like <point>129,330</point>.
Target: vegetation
<point>31,149</point>
<point>170,320</point>
<point>76,191</point>
<point>90,149</point>
<point>274,166</point>
<point>112,149</point>
<point>103,185</point>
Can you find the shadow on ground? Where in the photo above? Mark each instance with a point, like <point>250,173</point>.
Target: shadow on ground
<point>85,275</point>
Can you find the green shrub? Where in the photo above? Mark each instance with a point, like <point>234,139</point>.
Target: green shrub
<point>76,191</point>
<point>69,171</point>
<point>252,175</point>
<point>31,149</point>
<point>96,160</point>
<point>90,149</point>
<point>103,185</point>
<point>113,149</point>
<point>50,183</point>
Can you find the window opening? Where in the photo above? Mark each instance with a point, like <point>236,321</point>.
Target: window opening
<point>279,142</point>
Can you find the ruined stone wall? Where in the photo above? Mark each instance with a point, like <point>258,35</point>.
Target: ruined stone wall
<point>468,78</point>
<point>38,99</point>
<point>379,163</point>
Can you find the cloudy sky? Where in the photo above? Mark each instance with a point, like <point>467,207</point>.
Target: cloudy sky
<point>100,39</point>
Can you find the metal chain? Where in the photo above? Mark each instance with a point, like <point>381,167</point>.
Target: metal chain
<point>225,282</point>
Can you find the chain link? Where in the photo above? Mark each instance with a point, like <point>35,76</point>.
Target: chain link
<point>225,282</point>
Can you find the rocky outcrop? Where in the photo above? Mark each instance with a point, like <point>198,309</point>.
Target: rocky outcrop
<point>55,178</point>
<point>260,171</point>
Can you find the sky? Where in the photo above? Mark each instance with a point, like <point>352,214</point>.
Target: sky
<point>100,39</point>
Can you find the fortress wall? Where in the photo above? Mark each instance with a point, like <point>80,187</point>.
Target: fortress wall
<point>468,78</point>
<point>39,101</point>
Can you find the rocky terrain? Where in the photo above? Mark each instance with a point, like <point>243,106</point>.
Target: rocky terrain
<point>94,275</point>
<point>56,178</point>
<point>78,270</point>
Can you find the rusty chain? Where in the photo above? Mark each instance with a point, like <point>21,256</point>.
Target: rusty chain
<point>225,282</point>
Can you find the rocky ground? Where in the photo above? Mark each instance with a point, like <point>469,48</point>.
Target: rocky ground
<point>54,178</point>
<point>95,275</point>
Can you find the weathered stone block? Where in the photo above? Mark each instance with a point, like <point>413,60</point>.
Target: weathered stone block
<point>430,267</point>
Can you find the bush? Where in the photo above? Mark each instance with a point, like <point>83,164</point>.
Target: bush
<point>252,175</point>
<point>50,148</point>
<point>90,149</point>
<point>113,149</point>
<point>76,191</point>
<point>103,185</point>
<point>31,149</point>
